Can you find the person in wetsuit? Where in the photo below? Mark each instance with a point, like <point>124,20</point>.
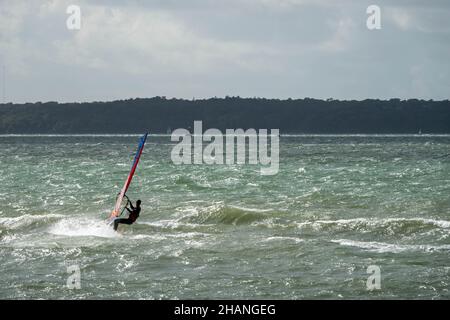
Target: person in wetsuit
<point>134,214</point>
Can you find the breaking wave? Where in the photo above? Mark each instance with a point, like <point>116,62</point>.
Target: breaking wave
<point>230,215</point>
<point>382,247</point>
<point>82,228</point>
<point>389,225</point>
<point>27,220</point>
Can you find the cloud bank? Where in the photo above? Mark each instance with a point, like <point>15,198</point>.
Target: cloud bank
<point>204,48</point>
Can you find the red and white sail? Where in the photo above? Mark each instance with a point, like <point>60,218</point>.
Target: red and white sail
<point>116,212</point>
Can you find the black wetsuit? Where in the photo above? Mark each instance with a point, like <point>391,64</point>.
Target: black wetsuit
<point>134,214</point>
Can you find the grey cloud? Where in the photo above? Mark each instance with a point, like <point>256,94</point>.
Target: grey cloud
<point>202,48</point>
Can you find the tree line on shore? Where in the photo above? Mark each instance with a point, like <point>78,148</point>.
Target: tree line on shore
<point>161,115</point>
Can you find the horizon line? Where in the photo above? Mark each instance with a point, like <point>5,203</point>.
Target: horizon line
<point>293,135</point>
<point>226,98</point>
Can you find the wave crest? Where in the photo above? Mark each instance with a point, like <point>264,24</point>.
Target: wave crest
<point>390,225</point>
<point>382,247</point>
<point>230,215</point>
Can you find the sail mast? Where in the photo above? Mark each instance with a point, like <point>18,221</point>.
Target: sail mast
<point>116,212</point>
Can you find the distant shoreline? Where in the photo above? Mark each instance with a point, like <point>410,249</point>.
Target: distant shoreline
<point>287,135</point>
<point>160,115</point>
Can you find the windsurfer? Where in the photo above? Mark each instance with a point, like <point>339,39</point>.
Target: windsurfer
<point>134,214</point>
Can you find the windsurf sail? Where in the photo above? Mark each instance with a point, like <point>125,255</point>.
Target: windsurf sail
<point>119,207</point>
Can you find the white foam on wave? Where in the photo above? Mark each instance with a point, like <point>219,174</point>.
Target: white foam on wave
<point>373,222</point>
<point>247,209</point>
<point>280,238</point>
<point>439,223</point>
<point>82,228</point>
<point>188,235</point>
<point>26,220</point>
<point>173,224</point>
<point>382,247</point>
<point>148,236</point>
<point>9,238</point>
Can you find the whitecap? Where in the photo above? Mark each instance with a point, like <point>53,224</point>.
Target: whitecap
<point>318,224</point>
<point>279,238</point>
<point>382,247</point>
<point>25,220</point>
<point>82,227</point>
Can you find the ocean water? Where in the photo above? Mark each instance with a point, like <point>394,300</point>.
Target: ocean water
<point>338,205</point>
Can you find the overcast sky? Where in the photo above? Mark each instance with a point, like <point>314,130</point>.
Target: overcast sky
<point>206,48</point>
